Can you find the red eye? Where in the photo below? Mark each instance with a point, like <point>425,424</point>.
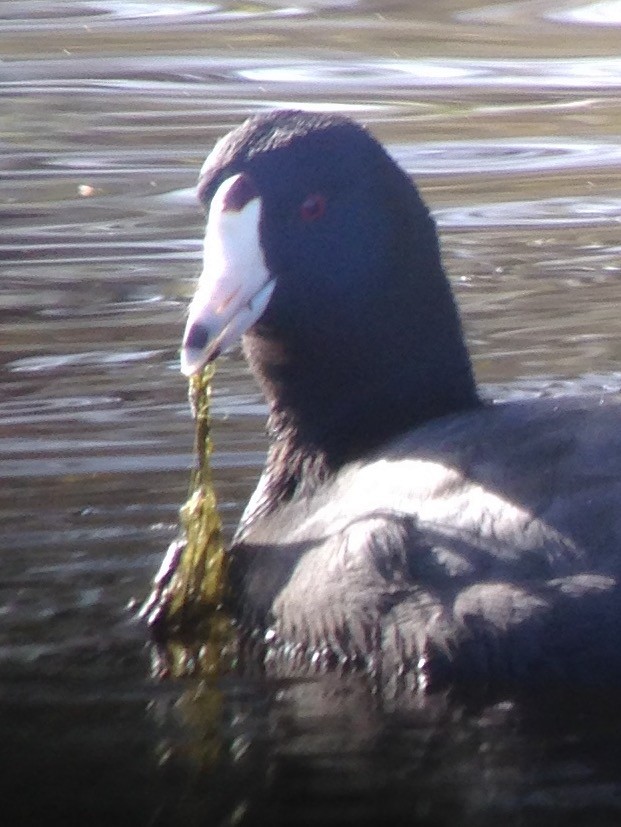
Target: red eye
<point>313,207</point>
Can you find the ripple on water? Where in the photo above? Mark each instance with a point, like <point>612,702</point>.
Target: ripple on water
<point>506,156</point>
<point>599,13</point>
<point>170,75</point>
<point>106,13</point>
<point>541,213</point>
<point>578,73</point>
<point>93,358</point>
<point>605,13</point>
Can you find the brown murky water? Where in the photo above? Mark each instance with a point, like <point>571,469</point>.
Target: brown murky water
<point>508,115</point>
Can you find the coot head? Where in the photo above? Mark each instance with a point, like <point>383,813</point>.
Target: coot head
<point>320,251</point>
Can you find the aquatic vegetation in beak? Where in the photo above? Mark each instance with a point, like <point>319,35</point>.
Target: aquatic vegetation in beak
<point>190,587</point>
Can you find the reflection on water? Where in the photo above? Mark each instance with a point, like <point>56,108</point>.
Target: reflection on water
<point>508,115</point>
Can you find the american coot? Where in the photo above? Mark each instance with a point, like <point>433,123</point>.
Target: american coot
<point>400,522</point>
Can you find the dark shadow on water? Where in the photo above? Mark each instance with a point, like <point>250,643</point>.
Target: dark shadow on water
<point>249,749</point>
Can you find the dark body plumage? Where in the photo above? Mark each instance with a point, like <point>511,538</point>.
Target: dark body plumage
<point>400,523</point>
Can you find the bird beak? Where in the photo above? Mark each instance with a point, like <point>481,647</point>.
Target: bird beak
<point>235,285</point>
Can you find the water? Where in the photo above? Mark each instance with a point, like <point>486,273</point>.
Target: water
<point>508,117</point>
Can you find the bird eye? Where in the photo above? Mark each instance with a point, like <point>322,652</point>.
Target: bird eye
<point>313,207</point>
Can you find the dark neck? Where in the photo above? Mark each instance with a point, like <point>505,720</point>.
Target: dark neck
<point>357,387</point>
<point>347,370</point>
